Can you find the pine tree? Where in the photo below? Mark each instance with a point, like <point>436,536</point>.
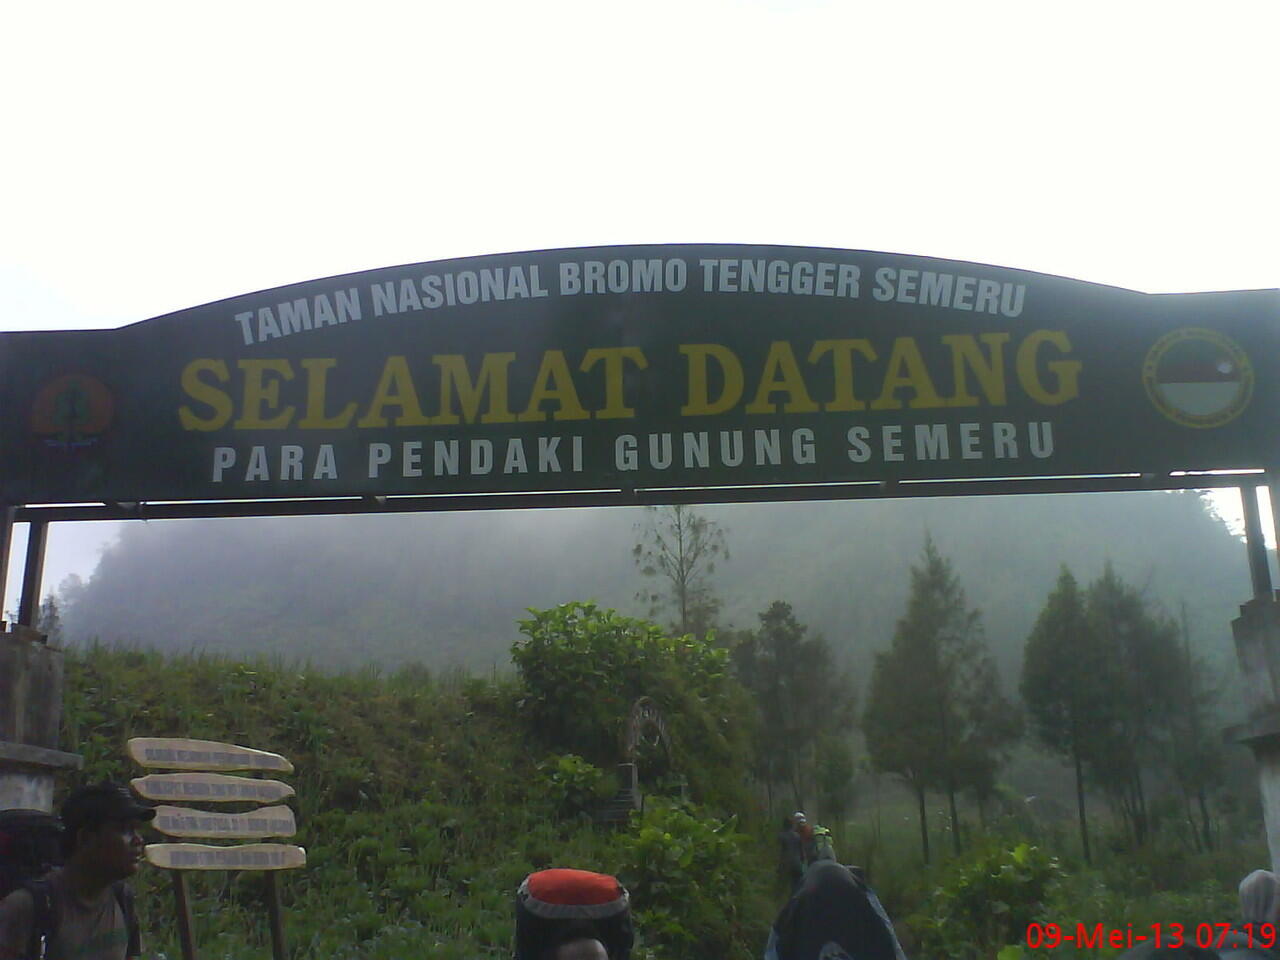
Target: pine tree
<point>1065,686</point>
<point>935,713</point>
<point>1143,667</point>
<point>1195,752</point>
<point>801,695</point>
<point>994,725</point>
<point>898,726</point>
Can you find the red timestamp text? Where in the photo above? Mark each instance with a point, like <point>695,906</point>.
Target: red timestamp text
<point>1209,936</point>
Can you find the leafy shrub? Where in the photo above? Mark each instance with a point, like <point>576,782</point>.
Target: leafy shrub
<point>582,668</point>
<point>1121,894</point>
<point>688,877</point>
<point>573,785</point>
<point>985,902</point>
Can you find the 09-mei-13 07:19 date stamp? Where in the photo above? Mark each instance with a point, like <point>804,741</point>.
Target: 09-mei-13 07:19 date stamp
<point>1209,936</point>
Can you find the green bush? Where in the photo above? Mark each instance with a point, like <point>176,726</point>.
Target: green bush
<point>689,878</point>
<point>986,902</point>
<point>573,786</point>
<point>582,668</point>
<point>1157,886</point>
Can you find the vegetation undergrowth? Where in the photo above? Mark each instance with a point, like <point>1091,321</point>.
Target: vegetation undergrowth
<point>964,904</point>
<point>424,798</point>
<point>422,801</point>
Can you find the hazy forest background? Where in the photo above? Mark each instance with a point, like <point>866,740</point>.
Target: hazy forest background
<point>447,589</point>
<point>825,615</point>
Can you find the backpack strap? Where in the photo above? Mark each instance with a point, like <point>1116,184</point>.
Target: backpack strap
<point>44,921</point>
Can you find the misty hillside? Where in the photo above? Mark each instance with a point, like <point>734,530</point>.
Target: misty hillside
<point>448,588</point>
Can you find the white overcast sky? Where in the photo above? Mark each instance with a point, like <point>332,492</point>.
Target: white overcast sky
<point>161,155</point>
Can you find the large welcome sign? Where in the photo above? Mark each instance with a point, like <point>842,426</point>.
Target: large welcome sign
<point>640,367</point>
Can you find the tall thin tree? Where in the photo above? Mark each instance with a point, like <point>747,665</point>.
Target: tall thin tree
<point>678,548</point>
<point>1144,664</point>
<point>802,696</point>
<point>935,714</point>
<point>1065,688</point>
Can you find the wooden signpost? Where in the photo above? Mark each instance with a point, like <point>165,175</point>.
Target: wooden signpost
<point>175,754</point>
<point>210,787</point>
<point>258,824</point>
<point>249,856</point>
<point>263,822</point>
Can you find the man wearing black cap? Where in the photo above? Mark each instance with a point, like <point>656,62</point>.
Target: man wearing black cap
<point>83,910</point>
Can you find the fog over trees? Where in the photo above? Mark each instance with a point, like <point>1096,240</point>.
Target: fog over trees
<point>448,588</point>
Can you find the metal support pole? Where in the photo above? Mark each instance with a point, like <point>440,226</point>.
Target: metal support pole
<point>33,573</point>
<point>1259,570</point>
<point>1273,490</point>
<point>6,545</point>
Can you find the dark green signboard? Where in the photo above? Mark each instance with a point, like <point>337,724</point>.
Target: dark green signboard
<point>641,367</point>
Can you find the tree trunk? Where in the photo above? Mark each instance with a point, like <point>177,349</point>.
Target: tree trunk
<point>1140,807</point>
<point>1131,816</point>
<point>1122,800</point>
<point>1196,845</point>
<point>1204,818</point>
<point>924,825</point>
<point>955,820</point>
<point>1084,822</point>
<point>795,781</point>
<point>682,573</point>
<point>875,786</point>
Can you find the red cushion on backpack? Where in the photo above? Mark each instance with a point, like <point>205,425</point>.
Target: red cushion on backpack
<point>573,887</point>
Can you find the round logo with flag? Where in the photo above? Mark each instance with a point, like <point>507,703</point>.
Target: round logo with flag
<point>1198,377</point>
<point>72,411</point>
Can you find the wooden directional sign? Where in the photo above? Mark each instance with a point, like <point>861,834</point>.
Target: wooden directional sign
<point>249,856</point>
<point>263,822</point>
<point>178,754</point>
<point>183,754</point>
<point>210,788</point>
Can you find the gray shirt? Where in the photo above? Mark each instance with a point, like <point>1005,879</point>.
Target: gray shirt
<point>86,929</point>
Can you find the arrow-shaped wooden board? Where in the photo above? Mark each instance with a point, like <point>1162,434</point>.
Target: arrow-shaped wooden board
<point>263,822</point>
<point>179,754</point>
<point>210,788</point>
<point>249,856</point>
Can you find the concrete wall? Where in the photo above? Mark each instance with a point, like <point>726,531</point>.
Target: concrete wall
<point>30,690</point>
<point>30,720</point>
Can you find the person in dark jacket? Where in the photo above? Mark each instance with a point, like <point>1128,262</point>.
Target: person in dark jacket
<point>804,830</point>
<point>790,856</point>
<point>833,916</point>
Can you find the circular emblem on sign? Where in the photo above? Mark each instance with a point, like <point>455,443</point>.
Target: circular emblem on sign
<point>1198,377</point>
<point>72,411</point>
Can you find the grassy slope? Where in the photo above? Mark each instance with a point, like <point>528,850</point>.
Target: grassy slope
<point>416,802</point>
<point>419,806</point>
